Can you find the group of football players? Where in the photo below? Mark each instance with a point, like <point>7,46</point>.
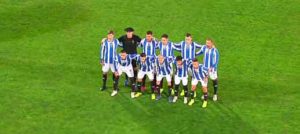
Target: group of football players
<point>160,65</point>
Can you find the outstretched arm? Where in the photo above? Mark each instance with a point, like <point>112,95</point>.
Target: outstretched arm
<point>176,46</point>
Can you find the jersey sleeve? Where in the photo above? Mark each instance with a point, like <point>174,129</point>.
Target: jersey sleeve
<point>200,51</point>
<point>177,46</point>
<point>215,64</point>
<point>102,51</point>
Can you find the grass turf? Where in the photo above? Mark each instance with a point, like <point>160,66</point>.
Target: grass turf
<point>50,72</point>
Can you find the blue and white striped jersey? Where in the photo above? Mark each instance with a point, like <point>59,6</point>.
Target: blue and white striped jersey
<point>147,65</point>
<point>210,58</point>
<point>165,67</point>
<point>182,70</point>
<point>109,51</point>
<point>149,47</point>
<point>166,50</point>
<point>199,73</point>
<point>188,51</point>
<point>127,61</point>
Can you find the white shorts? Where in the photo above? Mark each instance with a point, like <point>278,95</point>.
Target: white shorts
<point>160,77</point>
<point>141,75</point>
<point>213,75</point>
<point>195,82</point>
<point>107,66</point>
<point>183,79</point>
<point>128,70</point>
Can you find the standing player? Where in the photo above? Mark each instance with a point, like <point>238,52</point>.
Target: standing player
<point>124,61</point>
<point>181,75</point>
<point>210,61</point>
<point>146,68</point>
<point>130,42</point>
<point>199,75</point>
<point>187,47</point>
<point>164,71</point>
<point>108,55</point>
<point>166,50</point>
<point>148,45</point>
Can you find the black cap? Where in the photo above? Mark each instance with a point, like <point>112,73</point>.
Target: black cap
<point>129,29</point>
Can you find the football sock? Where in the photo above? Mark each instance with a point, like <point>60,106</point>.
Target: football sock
<point>205,96</point>
<point>132,84</point>
<point>104,77</point>
<point>170,90</point>
<point>144,81</point>
<point>116,82</point>
<point>138,86</point>
<point>176,90</point>
<point>215,84</point>
<point>185,88</point>
<point>153,86</point>
<point>192,94</point>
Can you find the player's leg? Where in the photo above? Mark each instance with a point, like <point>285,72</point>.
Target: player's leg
<point>169,80</point>
<point>135,69</point>
<point>140,77</point>
<point>158,82</point>
<point>176,82</point>
<point>192,95</point>
<point>115,85</point>
<point>153,83</point>
<point>161,85</point>
<point>185,89</point>
<point>204,90</point>
<point>143,84</point>
<point>105,69</point>
<point>213,75</point>
<point>151,78</point>
<point>115,79</point>
<point>129,72</point>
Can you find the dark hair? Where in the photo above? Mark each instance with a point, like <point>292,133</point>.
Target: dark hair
<point>129,29</point>
<point>188,35</point>
<point>165,36</point>
<point>123,51</point>
<point>110,32</point>
<point>149,33</point>
<point>143,55</point>
<point>195,60</point>
<point>178,58</point>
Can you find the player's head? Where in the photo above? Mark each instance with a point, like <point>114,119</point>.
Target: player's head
<point>188,38</point>
<point>129,32</point>
<point>110,35</point>
<point>164,39</point>
<point>149,36</point>
<point>123,54</point>
<point>161,59</point>
<point>143,57</point>
<point>179,60</point>
<point>195,63</point>
<point>209,42</point>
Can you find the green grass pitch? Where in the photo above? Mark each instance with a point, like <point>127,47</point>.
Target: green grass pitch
<point>50,73</point>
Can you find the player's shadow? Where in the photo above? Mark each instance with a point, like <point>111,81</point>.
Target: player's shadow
<point>39,18</point>
<point>164,117</point>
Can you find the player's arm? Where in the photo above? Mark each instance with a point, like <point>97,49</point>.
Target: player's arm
<point>176,46</point>
<point>121,40</point>
<point>132,56</point>
<point>200,51</point>
<point>216,61</point>
<point>116,62</point>
<point>102,52</point>
<point>137,39</point>
<point>198,45</point>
